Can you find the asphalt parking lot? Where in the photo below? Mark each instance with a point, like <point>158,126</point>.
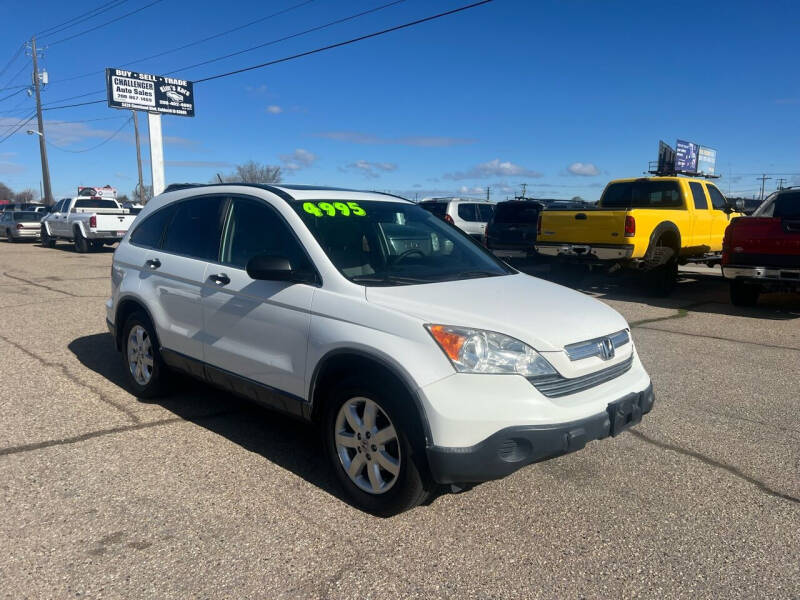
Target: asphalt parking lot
<point>203,495</point>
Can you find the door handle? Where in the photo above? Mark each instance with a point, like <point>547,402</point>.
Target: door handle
<point>220,279</point>
<point>580,217</point>
<point>152,264</point>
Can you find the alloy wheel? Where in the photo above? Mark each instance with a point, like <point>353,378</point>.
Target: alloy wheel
<point>367,444</point>
<point>140,355</point>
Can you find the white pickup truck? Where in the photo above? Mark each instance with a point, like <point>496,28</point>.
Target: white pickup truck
<point>88,222</point>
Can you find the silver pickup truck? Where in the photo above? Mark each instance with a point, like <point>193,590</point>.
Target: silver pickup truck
<point>87,222</point>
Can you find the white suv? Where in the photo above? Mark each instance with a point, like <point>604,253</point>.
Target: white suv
<point>468,214</point>
<point>424,359</point>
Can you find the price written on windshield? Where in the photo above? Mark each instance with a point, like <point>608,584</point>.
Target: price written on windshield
<point>332,209</point>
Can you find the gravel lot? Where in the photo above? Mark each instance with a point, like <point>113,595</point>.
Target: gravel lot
<point>203,495</point>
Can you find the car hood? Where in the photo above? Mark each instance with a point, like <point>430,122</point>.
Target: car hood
<point>544,315</point>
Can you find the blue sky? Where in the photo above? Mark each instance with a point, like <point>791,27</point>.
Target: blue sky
<point>560,95</point>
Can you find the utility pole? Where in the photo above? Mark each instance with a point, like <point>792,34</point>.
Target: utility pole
<point>488,192</point>
<point>48,194</point>
<point>138,156</point>
<point>763,179</point>
<point>524,187</point>
<point>780,182</point>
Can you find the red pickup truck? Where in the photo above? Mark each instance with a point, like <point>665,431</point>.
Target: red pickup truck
<point>761,253</point>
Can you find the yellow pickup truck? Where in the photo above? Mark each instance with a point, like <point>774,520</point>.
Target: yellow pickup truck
<point>652,224</point>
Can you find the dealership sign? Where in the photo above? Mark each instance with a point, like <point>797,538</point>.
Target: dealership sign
<point>152,93</point>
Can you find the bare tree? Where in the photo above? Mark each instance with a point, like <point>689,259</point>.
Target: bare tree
<point>147,193</point>
<point>28,195</point>
<point>6,193</point>
<point>252,172</point>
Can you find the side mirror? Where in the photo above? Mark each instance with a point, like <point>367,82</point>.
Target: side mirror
<point>273,267</point>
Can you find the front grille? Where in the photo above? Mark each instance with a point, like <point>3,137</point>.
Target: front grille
<point>554,386</point>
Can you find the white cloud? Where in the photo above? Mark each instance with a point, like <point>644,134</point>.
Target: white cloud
<point>274,109</point>
<point>583,169</point>
<point>369,169</point>
<point>299,159</point>
<point>471,190</point>
<point>256,89</point>
<point>424,141</point>
<point>493,168</point>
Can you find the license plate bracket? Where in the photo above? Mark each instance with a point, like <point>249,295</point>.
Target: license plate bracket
<point>623,414</point>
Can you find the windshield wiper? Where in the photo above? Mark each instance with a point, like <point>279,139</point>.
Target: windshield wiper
<point>387,279</point>
<point>473,274</point>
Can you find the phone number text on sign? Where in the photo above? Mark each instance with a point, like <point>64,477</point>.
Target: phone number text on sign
<point>133,91</point>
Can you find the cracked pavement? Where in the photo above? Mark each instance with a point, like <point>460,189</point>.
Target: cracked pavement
<point>203,495</point>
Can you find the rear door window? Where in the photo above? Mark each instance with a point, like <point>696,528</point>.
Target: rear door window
<point>149,232</point>
<point>717,199</point>
<point>699,196</point>
<point>467,212</point>
<point>195,229</point>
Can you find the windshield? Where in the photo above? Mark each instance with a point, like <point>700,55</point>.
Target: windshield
<point>391,243</point>
<point>517,212</point>
<point>27,217</point>
<point>642,194</point>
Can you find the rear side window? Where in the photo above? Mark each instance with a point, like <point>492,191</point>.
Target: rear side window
<point>642,194</point>
<point>485,211</point>
<point>467,212</point>
<point>255,228</point>
<point>699,196</point>
<point>27,217</point>
<point>148,233</point>
<point>195,228</point>
<point>717,199</point>
<point>787,205</point>
<point>92,203</point>
<point>437,208</point>
<point>516,212</point>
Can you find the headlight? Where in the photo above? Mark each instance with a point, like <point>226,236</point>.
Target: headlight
<point>479,351</point>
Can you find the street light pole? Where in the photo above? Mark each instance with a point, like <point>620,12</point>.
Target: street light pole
<point>48,194</point>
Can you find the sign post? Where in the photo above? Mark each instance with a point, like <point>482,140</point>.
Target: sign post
<point>156,95</point>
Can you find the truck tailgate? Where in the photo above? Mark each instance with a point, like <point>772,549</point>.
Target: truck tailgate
<point>763,241</point>
<point>583,227</point>
<point>119,223</point>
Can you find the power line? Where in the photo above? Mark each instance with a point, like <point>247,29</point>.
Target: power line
<point>12,59</point>
<point>346,42</point>
<point>195,43</point>
<point>80,18</point>
<point>10,81</point>
<point>300,55</point>
<point>21,125</point>
<point>105,141</point>
<point>96,27</point>
<point>12,94</point>
<point>15,107</point>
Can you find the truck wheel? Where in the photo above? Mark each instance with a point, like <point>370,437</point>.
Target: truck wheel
<point>144,369</point>
<point>81,243</point>
<point>47,241</point>
<point>744,294</point>
<point>374,448</point>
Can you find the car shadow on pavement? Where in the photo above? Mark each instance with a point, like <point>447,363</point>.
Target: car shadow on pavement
<point>695,291</point>
<point>289,443</point>
<point>70,247</point>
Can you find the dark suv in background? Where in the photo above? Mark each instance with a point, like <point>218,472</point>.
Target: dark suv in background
<point>511,232</point>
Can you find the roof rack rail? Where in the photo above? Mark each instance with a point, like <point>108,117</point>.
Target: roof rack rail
<point>174,187</point>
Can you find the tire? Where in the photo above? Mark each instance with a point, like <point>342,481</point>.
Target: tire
<point>140,347</point>
<point>660,281</point>
<point>385,493</point>
<point>9,238</point>
<point>744,294</point>
<point>81,243</point>
<point>46,240</point>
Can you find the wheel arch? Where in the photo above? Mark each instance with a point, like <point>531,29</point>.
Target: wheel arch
<point>343,362</point>
<point>126,306</point>
<point>669,230</point>
<point>78,225</point>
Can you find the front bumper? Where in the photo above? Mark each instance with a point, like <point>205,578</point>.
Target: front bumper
<point>766,274</point>
<point>586,252</point>
<point>514,447</point>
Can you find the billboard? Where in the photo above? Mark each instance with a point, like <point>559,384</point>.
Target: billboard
<point>706,160</point>
<point>152,93</point>
<point>666,159</point>
<point>685,157</point>
<point>105,191</point>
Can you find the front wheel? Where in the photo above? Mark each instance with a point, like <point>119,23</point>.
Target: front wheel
<point>47,241</point>
<point>374,450</point>
<point>145,371</point>
<point>744,294</point>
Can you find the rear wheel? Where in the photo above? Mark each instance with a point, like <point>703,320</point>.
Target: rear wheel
<point>144,369</point>
<point>744,294</point>
<point>375,449</point>
<point>660,280</point>
<point>81,243</point>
